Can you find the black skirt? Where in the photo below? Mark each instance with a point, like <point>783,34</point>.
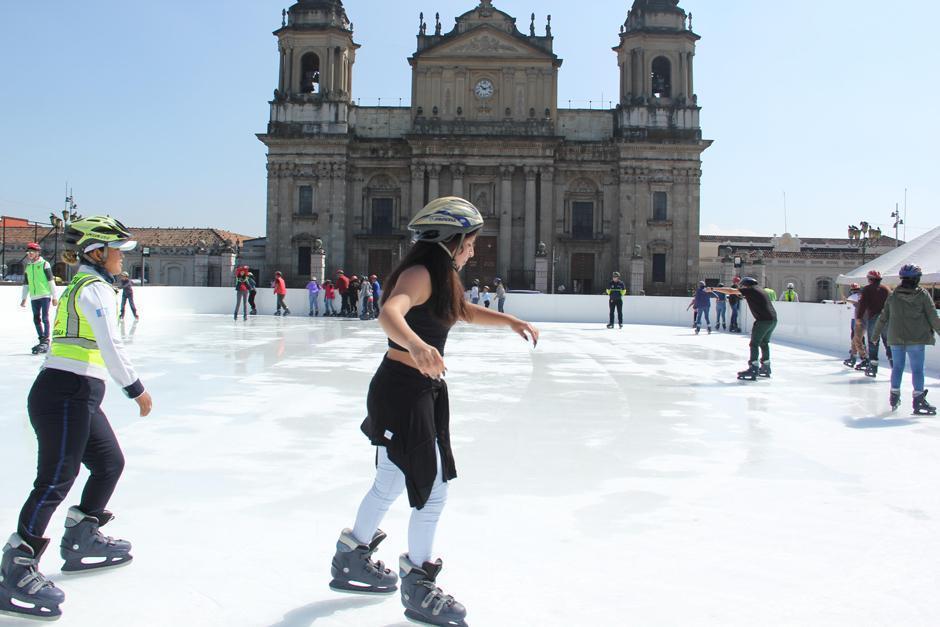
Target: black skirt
<point>409,415</point>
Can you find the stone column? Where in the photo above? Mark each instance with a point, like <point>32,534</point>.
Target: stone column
<point>318,264</point>
<point>417,193</point>
<point>458,172</point>
<point>338,209</point>
<point>201,269</point>
<point>625,216</point>
<point>637,274</point>
<point>503,250</point>
<point>541,274</point>
<point>434,183</point>
<point>547,209</point>
<point>530,232</point>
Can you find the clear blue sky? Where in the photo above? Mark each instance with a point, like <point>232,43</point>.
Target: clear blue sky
<point>149,109</point>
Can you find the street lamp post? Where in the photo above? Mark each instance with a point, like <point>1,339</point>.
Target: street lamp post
<point>863,235</point>
<point>896,214</point>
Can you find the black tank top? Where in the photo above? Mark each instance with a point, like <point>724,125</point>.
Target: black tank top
<point>425,326</point>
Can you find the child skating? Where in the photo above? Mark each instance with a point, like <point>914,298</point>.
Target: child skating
<point>408,413</point>
<point>765,321</point>
<point>64,407</point>
<point>911,321</point>
<point>39,289</point>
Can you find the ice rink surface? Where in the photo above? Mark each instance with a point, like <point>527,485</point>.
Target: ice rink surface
<point>608,477</point>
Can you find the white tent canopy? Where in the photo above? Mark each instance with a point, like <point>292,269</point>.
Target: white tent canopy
<point>923,251</point>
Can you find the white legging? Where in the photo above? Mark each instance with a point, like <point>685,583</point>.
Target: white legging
<point>388,486</point>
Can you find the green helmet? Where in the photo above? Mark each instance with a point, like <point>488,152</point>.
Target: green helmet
<point>443,218</point>
<point>94,232</point>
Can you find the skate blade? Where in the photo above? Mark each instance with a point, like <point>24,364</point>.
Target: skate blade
<point>414,617</point>
<point>348,588</point>
<point>77,569</point>
<point>31,611</point>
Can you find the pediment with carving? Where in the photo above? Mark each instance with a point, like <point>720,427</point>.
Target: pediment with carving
<point>485,42</point>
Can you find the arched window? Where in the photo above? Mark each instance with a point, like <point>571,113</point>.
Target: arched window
<point>310,73</point>
<point>823,289</point>
<point>662,78</point>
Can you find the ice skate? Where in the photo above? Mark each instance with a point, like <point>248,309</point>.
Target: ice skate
<point>895,399</point>
<point>424,602</point>
<point>862,365</point>
<point>764,370</point>
<point>277,313</point>
<point>751,373</point>
<point>697,329</point>
<point>84,547</point>
<point>621,326</point>
<point>709,330</point>
<point>872,369</point>
<point>36,349</point>
<point>24,591</point>
<point>922,407</point>
<point>850,362</point>
<point>610,326</point>
<point>354,571</point>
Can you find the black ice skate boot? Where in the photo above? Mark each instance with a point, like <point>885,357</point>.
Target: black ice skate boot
<point>895,399</point>
<point>872,369</point>
<point>863,364</point>
<point>424,602</point>
<point>84,547</point>
<point>764,370</point>
<point>751,373</point>
<point>353,569</point>
<point>24,591</point>
<point>850,362</point>
<point>922,407</point>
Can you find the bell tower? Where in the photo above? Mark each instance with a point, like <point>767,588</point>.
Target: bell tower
<point>655,55</point>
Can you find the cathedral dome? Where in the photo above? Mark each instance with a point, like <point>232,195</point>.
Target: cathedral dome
<point>318,13</point>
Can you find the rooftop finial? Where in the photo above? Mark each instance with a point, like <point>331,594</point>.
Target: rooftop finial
<point>548,27</point>
<point>283,18</point>
<point>690,20</point>
<point>532,26</point>
<point>437,23</point>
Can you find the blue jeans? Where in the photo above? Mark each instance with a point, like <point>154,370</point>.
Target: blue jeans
<point>327,306</point>
<point>872,344</point>
<point>721,308</point>
<point>314,304</point>
<point>41,316</point>
<point>500,304</point>
<point>916,353</point>
<point>698,316</point>
<point>735,308</point>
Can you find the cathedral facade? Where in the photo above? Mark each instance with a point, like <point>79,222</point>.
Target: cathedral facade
<point>603,190</point>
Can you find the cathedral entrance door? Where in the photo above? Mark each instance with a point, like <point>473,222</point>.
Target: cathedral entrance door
<point>582,273</point>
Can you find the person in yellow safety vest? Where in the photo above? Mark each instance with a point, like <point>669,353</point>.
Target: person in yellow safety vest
<point>39,288</point>
<point>771,293</point>
<point>65,411</point>
<point>789,295</point>
<point>616,291</point>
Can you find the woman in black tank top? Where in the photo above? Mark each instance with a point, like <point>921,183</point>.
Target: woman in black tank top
<point>408,415</point>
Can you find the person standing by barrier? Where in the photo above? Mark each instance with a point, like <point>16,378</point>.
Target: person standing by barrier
<point>500,294</point>
<point>703,304</point>
<point>280,291</point>
<point>241,293</point>
<point>870,304</point>
<point>39,288</point>
<point>64,407</point>
<point>252,292</point>
<point>911,321</point>
<point>329,294</point>
<point>789,295</point>
<point>734,301</point>
<point>313,296</point>
<point>765,321</point>
<point>342,286</point>
<point>615,293</point>
<point>376,293</point>
<point>721,309</point>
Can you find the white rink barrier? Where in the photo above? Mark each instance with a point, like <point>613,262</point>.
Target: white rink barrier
<point>821,327</point>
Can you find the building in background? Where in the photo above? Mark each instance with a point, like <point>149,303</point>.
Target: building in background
<point>177,256</point>
<point>812,264</point>
<point>601,188</point>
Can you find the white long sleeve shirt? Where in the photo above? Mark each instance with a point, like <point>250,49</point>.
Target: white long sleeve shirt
<point>98,303</point>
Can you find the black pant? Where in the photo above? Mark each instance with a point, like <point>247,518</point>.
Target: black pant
<point>618,305</point>
<point>251,299</point>
<point>125,299</point>
<point>41,316</point>
<point>65,411</point>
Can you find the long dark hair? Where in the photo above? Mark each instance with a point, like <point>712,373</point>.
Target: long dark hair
<point>447,301</point>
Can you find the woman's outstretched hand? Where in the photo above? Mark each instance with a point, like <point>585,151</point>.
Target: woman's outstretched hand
<point>527,331</point>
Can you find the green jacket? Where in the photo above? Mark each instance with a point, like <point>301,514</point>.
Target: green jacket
<point>910,317</point>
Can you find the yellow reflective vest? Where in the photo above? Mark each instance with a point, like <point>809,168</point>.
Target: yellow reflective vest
<point>72,337</point>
